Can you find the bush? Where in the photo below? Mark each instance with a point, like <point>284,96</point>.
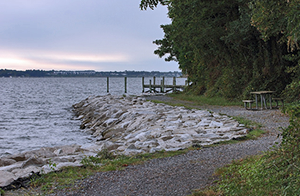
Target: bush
<point>292,92</point>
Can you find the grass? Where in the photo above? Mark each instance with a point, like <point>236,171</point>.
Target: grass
<point>260,175</point>
<point>203,100</point>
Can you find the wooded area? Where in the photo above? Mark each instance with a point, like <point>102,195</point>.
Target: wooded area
<point>231,47</point>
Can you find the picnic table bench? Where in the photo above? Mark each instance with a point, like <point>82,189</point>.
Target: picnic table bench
<point>249,102</point>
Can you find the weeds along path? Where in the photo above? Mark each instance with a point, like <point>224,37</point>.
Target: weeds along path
<point>181,174</point>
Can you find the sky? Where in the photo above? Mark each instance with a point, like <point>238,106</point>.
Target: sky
<point>100,35</point>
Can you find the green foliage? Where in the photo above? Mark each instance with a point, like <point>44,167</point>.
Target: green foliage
<point>152,3</point>
<point>278,17</point>
<point>291,92</point>
<point>218,47</point>
<point>2,192</point>
<point>230,48</point>
<point>52,165</point>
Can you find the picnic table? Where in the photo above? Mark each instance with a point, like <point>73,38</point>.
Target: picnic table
<point>263,95</point>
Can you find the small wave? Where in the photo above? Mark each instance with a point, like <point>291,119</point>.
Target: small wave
<point>23,138</point>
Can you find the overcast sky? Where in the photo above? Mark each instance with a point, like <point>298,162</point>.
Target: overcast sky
<point>101,35</point>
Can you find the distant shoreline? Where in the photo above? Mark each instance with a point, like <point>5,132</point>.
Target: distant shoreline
<point>87,73</point>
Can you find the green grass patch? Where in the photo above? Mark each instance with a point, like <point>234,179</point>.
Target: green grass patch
<point>254,128</point>
<point>203,100</point>
<point>261,175</point>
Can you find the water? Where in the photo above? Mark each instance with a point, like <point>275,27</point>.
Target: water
<point>37,112</point>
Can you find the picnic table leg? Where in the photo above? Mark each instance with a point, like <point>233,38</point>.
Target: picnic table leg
<point>270,98</point>
<point>261,102</point>
<point>265,103</point>
<point>256,101</point>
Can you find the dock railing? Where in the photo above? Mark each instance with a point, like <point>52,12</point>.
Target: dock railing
<point>162,87</point>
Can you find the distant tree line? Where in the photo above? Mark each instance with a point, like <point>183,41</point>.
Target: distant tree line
<point>27,73</point>
<point>86,73</point>
<point>232,47</point>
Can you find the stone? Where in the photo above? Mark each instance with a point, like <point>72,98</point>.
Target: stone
<point>17,157</point>
<point>71,149</point>
<point>63,159</point>
<point>60,166</point>
<point>33,161</point>
<point>215,124</point>
<point>26,172</point>
<point>5,162</point>
<point>6,178</point>
<point>155,149</point>
<point>9,168</point>
<point>43,152</point>
<point>58,151</point>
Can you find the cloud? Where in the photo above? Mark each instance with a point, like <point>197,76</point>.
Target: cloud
<point>37,60</point>
<point>103,34</point>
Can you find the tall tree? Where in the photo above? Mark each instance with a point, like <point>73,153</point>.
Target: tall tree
<point>282,18</point>
<point>217,44</point>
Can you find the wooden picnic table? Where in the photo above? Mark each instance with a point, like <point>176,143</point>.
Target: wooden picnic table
<point>263,95</point>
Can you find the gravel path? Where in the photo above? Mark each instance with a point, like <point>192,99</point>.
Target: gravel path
<point>181,174</point>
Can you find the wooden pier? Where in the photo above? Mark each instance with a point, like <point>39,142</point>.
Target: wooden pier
<point>162,87</point>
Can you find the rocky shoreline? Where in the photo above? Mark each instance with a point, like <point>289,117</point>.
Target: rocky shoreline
<point>132,125</point>
<point>125,125</point>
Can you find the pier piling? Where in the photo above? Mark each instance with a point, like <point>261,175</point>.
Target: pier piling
<point>107,84</point>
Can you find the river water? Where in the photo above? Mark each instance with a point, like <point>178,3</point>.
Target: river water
<point>37,112</point>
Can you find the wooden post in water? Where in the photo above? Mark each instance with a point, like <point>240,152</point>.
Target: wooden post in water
<point>125,83</point>
<point>154,78</point>
<point>163,85</point>
<point>150,91</point>
<point>174,84</point>
<point>143,83</point>
<point>107,84</point>
<point>154,84</point>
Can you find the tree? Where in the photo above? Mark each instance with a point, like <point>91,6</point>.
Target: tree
<point>219,46</point>
<point>282,18</point>
<point>278,17</point>
<point>152,3</point>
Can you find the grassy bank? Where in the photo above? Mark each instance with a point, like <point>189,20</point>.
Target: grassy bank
<point>273,173</point>
<point>203,100</point>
